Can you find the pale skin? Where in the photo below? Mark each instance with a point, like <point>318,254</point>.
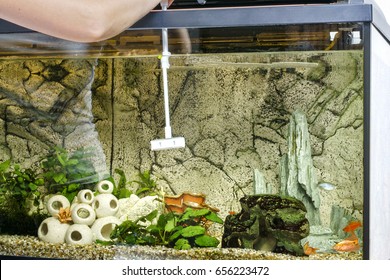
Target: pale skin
<point>76,20</point>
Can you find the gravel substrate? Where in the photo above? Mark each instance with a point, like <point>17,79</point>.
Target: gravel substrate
<point>30,246</point>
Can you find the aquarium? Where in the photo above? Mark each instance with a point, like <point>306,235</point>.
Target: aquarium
<point>274,120</point>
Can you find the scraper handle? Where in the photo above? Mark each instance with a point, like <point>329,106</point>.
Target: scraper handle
<point>164,5</point>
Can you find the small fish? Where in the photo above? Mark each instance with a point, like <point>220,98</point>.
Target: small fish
<point>309,250</point>
<point>326,186</point>
<point>232,213</point>
<point>351,243</point>
<point>347,246</point>
<point>352,226</point>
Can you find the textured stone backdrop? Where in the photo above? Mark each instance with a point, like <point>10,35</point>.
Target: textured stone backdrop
<point>47,103</point>
<point>234,111</point>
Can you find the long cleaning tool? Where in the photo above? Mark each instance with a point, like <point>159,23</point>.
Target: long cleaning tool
<point>169,142</point>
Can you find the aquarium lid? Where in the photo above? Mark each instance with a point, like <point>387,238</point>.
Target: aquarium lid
<point>264,16</point>
<point>199,4</point>
<point>256,16</point>
<point>20,42</point>
<point>229,13</point>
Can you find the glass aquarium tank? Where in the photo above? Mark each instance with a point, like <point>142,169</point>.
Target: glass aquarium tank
<point>270,104</point>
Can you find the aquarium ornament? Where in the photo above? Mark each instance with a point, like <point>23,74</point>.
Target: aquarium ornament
<point>168,142</point>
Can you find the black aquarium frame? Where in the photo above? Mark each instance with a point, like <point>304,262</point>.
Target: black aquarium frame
<point>354,11</point>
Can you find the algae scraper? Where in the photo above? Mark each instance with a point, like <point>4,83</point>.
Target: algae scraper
<point>168,142</point>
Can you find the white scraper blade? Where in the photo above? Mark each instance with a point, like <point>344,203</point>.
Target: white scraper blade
<point>168,143</point>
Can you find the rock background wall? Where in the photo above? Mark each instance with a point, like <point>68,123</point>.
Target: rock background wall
<point>233,110</point>
<point>47,103</point>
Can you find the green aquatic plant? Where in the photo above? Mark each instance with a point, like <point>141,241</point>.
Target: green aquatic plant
<point>19,194</point>
<point>132,233</point>
<point>192,229</point>
<point>120,189</point>
<point>179,231</point>
<point>20,185</point>
<point>22,190</point>
<point>68,173</point>
<point>145,186</point>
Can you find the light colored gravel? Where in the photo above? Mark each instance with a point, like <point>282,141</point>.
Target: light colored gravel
<point>29,246</point>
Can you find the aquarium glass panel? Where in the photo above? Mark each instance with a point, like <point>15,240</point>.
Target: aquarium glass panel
<point>272,119</point>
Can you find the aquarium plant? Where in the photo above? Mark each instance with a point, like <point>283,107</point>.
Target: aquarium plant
<point>143,187</point>
<point>19,193</point>
<point>19,184</point>
<point>179,231</point>
<point>67,173</point>
<point>23,190</point>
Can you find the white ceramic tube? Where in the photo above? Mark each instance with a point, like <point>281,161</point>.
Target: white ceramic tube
<point>105,205</point>
<point>103,227</point>
<point>105,186</point>
<point>55,203</point>
<point>78,234</point>
<point>85,196</point>
<point>52,230</point>
<point>83,214</point>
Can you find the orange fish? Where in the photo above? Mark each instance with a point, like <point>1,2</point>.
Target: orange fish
<point>352,226</point>
<point>352,236</point>
<point>309,250</point>
<point>347,246</point>
<point>232,213</point>
<point>351,243</point>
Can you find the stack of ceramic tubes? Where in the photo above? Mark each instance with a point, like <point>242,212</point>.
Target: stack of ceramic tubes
<point>92,217</point>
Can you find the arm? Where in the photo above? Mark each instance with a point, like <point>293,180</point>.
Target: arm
<point>76,20</point>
